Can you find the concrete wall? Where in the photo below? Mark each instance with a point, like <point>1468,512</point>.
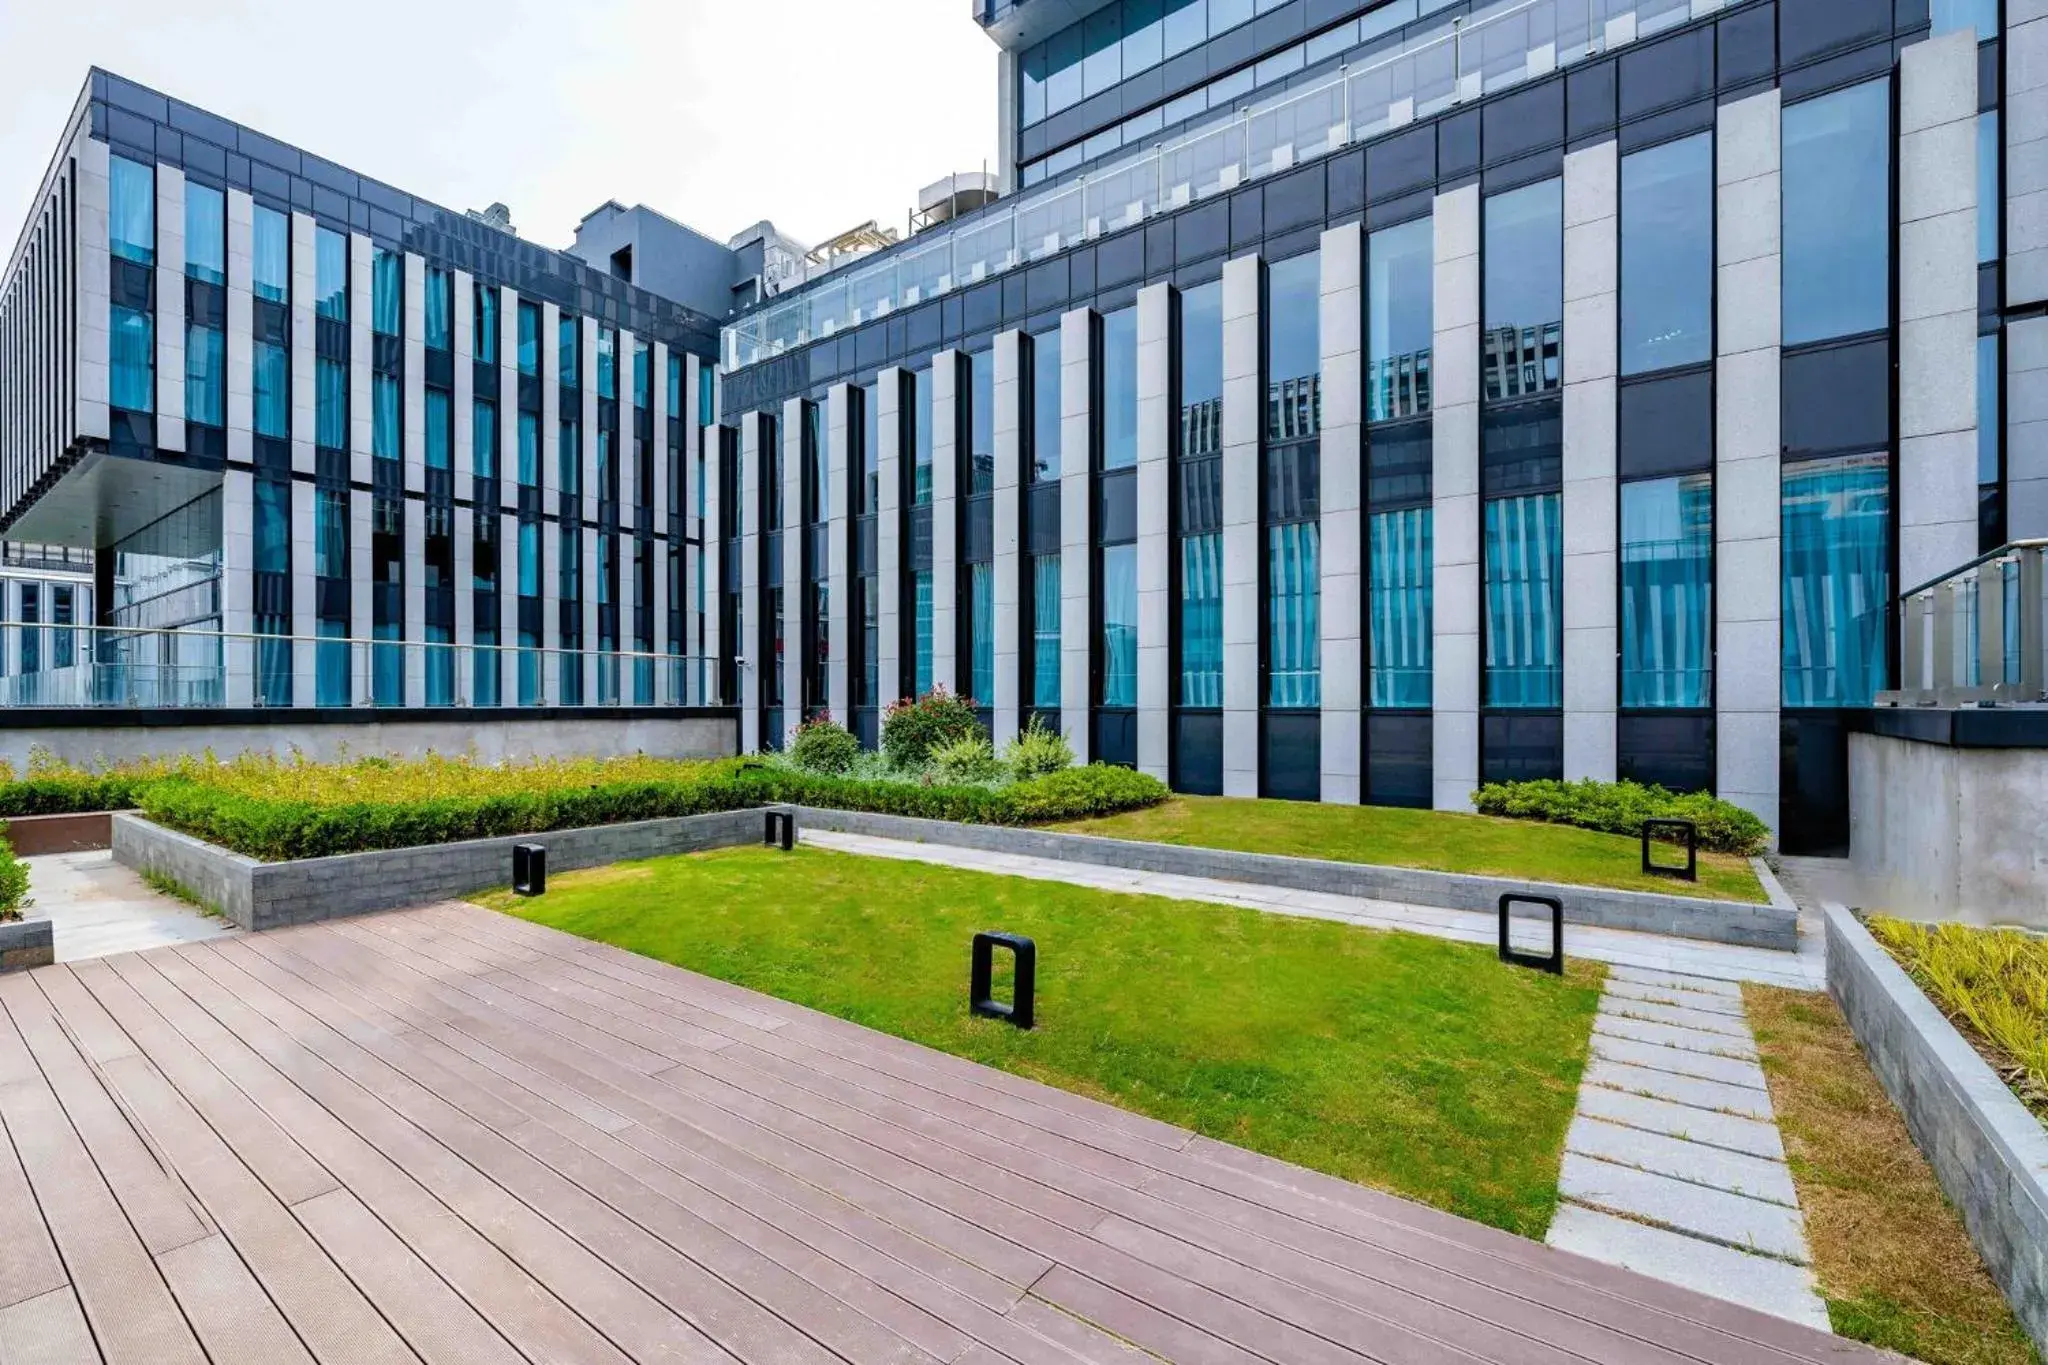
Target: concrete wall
<point>491,738</point>
<point>1988,1152</point>
<point>1942,833</point>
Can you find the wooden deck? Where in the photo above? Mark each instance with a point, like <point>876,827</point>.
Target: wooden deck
<point>447,1135</point>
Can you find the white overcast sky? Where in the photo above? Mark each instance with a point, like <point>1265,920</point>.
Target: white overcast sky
<point>818,114</point>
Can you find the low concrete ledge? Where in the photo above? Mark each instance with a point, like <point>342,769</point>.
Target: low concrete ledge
<point>1755,926</point>
<point>258,895</point>
<point>26,943</point>
<point>1989,1153</point>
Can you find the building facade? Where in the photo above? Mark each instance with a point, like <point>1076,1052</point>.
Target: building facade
<point>1361,402</point>
<point>332,445</point>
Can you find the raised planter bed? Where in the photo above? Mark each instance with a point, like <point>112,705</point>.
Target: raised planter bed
<point>258,895</point>
<point>1750,925</point>
<point>35,835</point>
<point>1989,1153</point>
<point>26,943</point>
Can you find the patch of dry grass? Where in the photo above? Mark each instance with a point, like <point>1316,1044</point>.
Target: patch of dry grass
<point>1895,1265</point>
<point>1993,986</point>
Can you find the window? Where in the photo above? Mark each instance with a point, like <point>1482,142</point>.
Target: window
<point>440,309</point>
<point>205,375</point>
<point>206,226</point>
<point>529,339</point>
<point>1119,625</point>
<point>440,428</point>
<point>1294,358</point>
<point>1667,255</point>
<point>1988,378</point>
<point>981,422</point>
<point>1667,615</point>
<point>569,456</point>
<point>1201,620</point>
<point>981,590</point>
<point>1102,38</point>
<point>707,407</point>
<point>1293,605</point>
<point>330,403</point>
<point>1523,270</point>
<point>131,211</point>
<point>870,484</point>
<point>1045,405</point>
<point>529,449</point>
<point>1401,607</point>
<point>1988,201</point>
<point>1119,417</point>
<point>921,440</point>
<point>484,331</point>
<point>483,437</point>
<point>131,354</point>
<point>1201,371</point>
<point>273,526</point>
<point>643,362</point>
<point>387,291</point>
<point>1400,319</point>
<point>1524,551</point>
<point>819,475</point>
<point>271,256</point>
<point>330,533</point>
<point>921,675</point>
<point>675,386</point>
<point>569,369</point>
<point>330,274</point>
<point>1837,213</point>
<point>386,438</point>
<point>607,362</point>
<point>529,559</point>
<point>1045,631</point>
<point>272,377</point>
<point>1977,16</point>
<point>1836,547</point>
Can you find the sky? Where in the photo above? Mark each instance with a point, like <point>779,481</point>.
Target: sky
<point>817,114</point>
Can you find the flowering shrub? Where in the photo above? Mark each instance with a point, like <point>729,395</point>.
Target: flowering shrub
<point>913,730</point>
<point>822,746</point>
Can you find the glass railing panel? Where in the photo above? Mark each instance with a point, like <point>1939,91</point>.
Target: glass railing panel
<point>1511,46</point>
<point>828,309</point>
<point>1051,223</point>
<point>986,246</point>
<point>1203,165</point>
<point>1123,197</point>
<point>1298,129</point>
<point>925,272</point>
<point>871,293</point>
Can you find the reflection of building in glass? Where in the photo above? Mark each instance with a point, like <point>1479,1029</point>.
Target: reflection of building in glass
<point>1515,362</point>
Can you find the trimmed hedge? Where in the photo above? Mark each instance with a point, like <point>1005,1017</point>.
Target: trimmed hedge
<point>13,881</point>
<point>71,792</point>
<point>278,830</point>
<point>1621,808</point>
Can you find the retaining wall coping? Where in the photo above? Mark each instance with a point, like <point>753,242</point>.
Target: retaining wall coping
<point>1989,1153</point>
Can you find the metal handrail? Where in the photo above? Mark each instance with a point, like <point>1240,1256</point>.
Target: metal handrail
<point>1976,635</point>
<point>2001,552</point>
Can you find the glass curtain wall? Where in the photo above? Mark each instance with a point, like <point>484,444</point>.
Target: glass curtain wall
<point>1293,482</point>
<point>1400,332</point>
<point>205,336</point>
<point>920,422</point>
<point>131,227</point>
<point>1201,497</point>
<point>1117,588</point>
<point>1043,582</point>
<point>977,543</point>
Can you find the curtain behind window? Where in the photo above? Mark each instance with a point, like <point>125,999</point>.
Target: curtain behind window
<point>1045,631</point>
<point>1836,537</point>
<point>1524,554</point>
<point>1294,646</point>
<point>1120,625</point>
<point>1201,620</point>
<point>1402,607</point>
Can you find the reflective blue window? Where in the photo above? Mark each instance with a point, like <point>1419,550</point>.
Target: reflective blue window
<point>131,356</point>
<point>1201,620</point>
<point>1400,292</point>
<point>1837,213</point>
<point>529,338</point>
<point>707,390</point>
<point>1524,557</point>
<point>1119,366</point>
<point>1294,348</point>
<point>205,375</point>
<point>569,365</point>
<point>1201,371</point>
<point>386,438</point>
<point>921,661</point>
<point>1977,16</point>
<point>1144,44</point>
<point>484,324</point>
<point>1521,345</point>
<point>1835,541</point>
<point>1989,377</point>
<point>1667,592</point>
<point>1293,612</point>
<point>1187,24</point>
<point>272,379</point>
<point>1401,606</point>
<point>440,429</point>
<point>330,533</point>
<point>1667,255</point>
<point>330,683</point>
<point>131,210</point>
<point>870,475</point>
<point>569,455</point>
<point>819,475</point>
<point>387,291</point>
<point>271,256</point>
<point>921,440</point>
<point>273,526</point>
<point>440,309</point>
<point>330,274</point>
<point>607,362</point>
<point>643,375</point>
<point>330,403</point>
<point>1119,625</point>
<point>675,387</point>
<point>1045,631</point>
<point>529,449</point>
<point>1102,38</point>
<point>1045,405</point>
<point>206,227</point>
<point>981,422</point>
<point>1988,198</point>
<point>981,596</point>
<point>529,559</point>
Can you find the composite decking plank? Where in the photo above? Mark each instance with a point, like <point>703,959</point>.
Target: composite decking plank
<point>638,1322</point>
<point>29,1265</point>
<point>48,1329</point>
<point>545,1329</point>
<point>234,1318</point>
<point>721,1312</point>
<point>124,1298</point>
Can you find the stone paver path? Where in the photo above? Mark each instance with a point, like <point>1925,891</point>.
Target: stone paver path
<point>98,907</point>
<point>1673,1166</point>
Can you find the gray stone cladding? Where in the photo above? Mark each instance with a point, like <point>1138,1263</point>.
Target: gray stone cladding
<point>1755,926</point>
<point>257,895</point>
<point>1988,1152</point>
<point>26,943</point>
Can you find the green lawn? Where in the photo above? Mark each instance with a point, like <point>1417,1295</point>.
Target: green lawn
<point>1415,1065</point>
<point>1438,840</point>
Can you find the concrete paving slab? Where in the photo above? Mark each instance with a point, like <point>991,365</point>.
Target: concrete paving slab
<point>1700,1126</point>
<point>1740,1100</point>
<point>1728,1025</point>
<point>1716,1167</point>
<point>1672,1035</point>
<point>1768,1285</point>
<point>1659,995</point>
<point>1673,981</point>
<point>97,908</point>
<point>1731,1219</point>
<point>1727,1070</point>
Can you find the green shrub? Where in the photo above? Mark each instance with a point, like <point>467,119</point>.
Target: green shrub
<point>912,731</point>
<point>1621,808</point>
<point>823,746</point>
<point>1037,751</point>
<point>1077,793</point>
<point>13,881</point>
<point>968,759</point>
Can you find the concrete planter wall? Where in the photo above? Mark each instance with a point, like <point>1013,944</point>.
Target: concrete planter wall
<point>26,943</point>
<point>257,895</point>
<point>35,835</point>
<point>1756,926</point>
<point>1988,1152</point>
